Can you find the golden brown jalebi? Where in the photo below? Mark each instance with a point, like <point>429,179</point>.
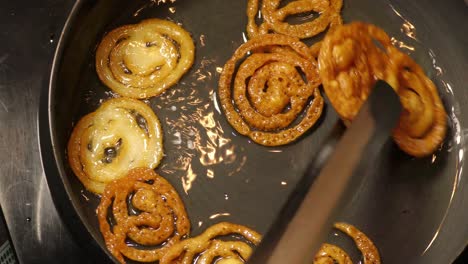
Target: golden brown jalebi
<point>350,63</point>
<point>121,134</point>
<point>423,123</point>
<point>206,248</point>
<point>331,254</point>
<point>274,17</point>
<point>160,218</point>
<point>144,59</point>
<point>269,91</point>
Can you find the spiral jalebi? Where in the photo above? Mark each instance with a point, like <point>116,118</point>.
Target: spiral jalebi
<point>273,95</point>
<point>350,63</point>
<point>206,248</point>
<point>160,220</point>
<point>144,59</point>
<point>274,17</point>
<point>121,134</point>
<point>331,254</point>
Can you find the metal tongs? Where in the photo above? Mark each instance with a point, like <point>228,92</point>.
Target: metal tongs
<point>307,217</point>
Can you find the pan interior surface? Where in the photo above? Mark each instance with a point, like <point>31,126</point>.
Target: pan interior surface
<point>405,205</point>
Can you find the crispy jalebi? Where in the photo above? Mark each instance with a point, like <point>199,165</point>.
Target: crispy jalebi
<point>331,254</point>
<point>144,59</point>
<point>121,134</point>
<point>423,123</point>
<point>271,89</point>
<point>350,62</point>
<point>206,248</point>
<point>158,218</point>
<point>274,17</point>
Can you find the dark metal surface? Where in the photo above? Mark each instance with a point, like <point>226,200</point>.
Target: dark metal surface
<point>28,34</point>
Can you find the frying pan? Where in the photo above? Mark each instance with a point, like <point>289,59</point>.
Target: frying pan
<point>413,209</point>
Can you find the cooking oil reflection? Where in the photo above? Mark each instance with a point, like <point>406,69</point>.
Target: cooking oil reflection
<point>400,44</point>
<point>456,142</point>
<point>213,216</point>
<point>188,179</point>
<point>216,148</point>
<point>200,145</point>
<point>151,3</point>
<point>407,27</point>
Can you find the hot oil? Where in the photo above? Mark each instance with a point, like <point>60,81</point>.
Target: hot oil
<point>392,198</point>
<point>216,171</point>
<point>220,175</point>
<point>223,176</point>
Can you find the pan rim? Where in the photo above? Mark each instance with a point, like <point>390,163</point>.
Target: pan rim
<point>50,159</point>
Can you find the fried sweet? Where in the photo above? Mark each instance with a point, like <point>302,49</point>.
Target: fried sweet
<point>274,17</point>
<point>331,254</point>
<point>121,134</point>
<point>267,97</point>
<point>158,216</point>
<point>350,63</point>
<point>144,59</point>
<point>206,248</point>
<point>423,124</point>
<point>368,250</point>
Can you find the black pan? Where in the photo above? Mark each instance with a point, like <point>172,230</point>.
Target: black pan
<point>413,209</point>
